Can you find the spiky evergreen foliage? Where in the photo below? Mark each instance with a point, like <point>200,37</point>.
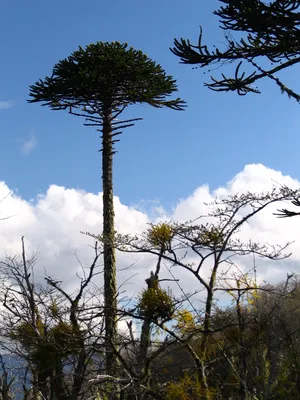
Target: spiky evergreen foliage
<point>266,31</point>
<point>105,74</point>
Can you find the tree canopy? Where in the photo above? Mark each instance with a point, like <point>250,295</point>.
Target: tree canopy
<point>106,73</point>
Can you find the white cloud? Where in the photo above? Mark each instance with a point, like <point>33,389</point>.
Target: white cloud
<point>28,145</point>
<point>4,105</point>
<point>53,221</point>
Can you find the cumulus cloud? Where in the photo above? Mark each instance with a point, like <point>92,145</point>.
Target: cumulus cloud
<point>28,145</point>
<point>4,105</point>
<point>52,223</point>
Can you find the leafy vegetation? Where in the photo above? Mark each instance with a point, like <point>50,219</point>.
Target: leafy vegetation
<point>218,335</point>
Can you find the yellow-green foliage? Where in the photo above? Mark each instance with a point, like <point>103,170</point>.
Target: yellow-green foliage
<point>160,235</point>
<point>27,334</point>
<point>184,321</point>
<point>34,340</point>
<point>156,303</point>
<point>63,337</point>
<point>54,309</point>
<point>45,344</point>
<point>211,236</point>
<point>188,388</point>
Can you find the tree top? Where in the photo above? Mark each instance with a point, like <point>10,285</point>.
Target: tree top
<point>106,74</point>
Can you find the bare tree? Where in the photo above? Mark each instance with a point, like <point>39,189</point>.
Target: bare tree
<point>53,332</point>
<point>214,244</point>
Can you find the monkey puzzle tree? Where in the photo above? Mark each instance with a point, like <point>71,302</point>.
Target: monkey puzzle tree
<point>271,34</point>
<point>98,83</point>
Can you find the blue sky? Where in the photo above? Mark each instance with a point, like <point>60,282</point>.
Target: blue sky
<point>165,156</point>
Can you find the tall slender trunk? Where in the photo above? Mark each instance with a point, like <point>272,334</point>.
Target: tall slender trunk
<point>110,280</point>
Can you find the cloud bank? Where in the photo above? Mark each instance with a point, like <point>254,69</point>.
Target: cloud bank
<point>52,223</point>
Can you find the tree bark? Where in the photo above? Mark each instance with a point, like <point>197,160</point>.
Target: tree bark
<point>110,280</point>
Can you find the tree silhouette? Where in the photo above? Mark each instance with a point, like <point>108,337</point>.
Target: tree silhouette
<point>98,82</point>
<point>270,44</point>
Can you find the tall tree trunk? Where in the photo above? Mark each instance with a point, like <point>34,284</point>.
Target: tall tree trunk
<point>110,280</point>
